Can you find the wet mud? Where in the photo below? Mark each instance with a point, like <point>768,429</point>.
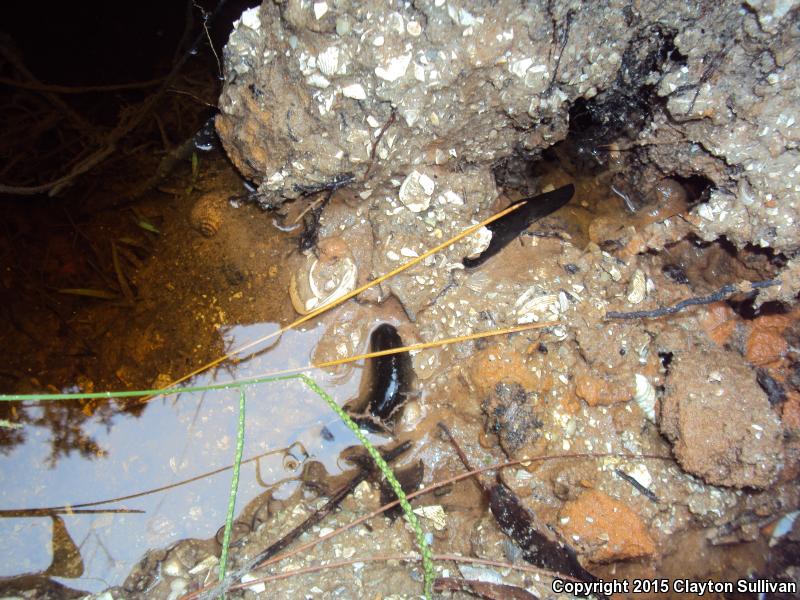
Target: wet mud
<point>636,394</point>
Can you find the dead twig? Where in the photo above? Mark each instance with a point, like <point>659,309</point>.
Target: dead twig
<point>721,294</point>
<point>386,558</point>
<point>378,139</point>
<point>482,589</point>
<point>37,86</point>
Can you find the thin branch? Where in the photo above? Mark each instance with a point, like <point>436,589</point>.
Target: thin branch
<point>85,89</point>
<point>386,558</point>
<point>77,507</point>
<point>721,294</point>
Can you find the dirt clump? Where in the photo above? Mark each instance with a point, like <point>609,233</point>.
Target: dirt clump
<point>719,420</point>
<point>510,413</point>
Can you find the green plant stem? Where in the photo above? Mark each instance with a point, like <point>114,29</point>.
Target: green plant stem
<point>425,550</point>
<point>237,463</point>
<point>230,385</point>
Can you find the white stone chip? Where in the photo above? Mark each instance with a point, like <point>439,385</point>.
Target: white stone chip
<point>354,91</point>
<point>395,68</point>
<point>320,8</point>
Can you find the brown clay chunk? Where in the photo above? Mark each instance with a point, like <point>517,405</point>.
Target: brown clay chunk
<point>719,419</point>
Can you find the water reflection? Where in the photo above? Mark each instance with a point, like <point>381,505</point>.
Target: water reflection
<point>74,455</point>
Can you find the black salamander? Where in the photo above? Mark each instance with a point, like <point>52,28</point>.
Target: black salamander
<point>392,374</point>
<point>390,380</point>
<point>507,228</point>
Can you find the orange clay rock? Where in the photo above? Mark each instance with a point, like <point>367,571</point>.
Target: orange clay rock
<point>790,413</point>
<point>602,391</point>
<point>495,364</point>
<point>604,529</point>
<point>765,342</point>
<point>719,322</point>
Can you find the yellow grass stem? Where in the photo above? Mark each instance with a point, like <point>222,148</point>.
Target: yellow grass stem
<point>338,301</point>
<point>410,348</point>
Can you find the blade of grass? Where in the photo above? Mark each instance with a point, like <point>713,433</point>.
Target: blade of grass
<point>132,242</point>
<point>121,279</point>
<point>237,463</point>
<point>142,221</point>
<point>424,548</point>
<point>129,255</point>
<point>89,293</point>
<point>147,226</point>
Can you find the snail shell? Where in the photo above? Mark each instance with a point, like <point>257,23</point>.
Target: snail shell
<point>206,214</point>
<point>645,396</point>
<point>323,279</point>
<point>637,288</point>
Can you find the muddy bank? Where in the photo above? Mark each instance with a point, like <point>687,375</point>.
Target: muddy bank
<point>677,127</point>
<point>370,92</point>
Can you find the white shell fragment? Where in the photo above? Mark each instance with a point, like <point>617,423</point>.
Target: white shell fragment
<point>250,18</point>
<point>328,61</point>
<point>416,191</point>
<point>395,68</point>
<point>354,91</point>
<point>318,81</point>
<point>413,28</point>
<point>641,475</point>
<point>645,397</point>
<point>325,279</point>
<point>637,288</point>
<point>520,67</point>
<point>532,309</point>
<point>320,8</point>
<point>482,238</point>
<point>206,564</point>
<point>435,514</point>
<point>258,588</point>
<point>784,526</point>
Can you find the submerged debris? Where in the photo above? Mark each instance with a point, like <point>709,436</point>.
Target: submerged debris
<point>539,546</point>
